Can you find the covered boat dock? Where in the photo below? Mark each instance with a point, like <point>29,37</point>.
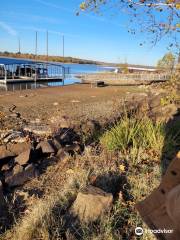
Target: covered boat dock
<point>32,72</point>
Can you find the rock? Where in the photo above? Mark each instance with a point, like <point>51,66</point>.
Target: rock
<point>13,178</point>
<point>39,129</point>
<point>75,101</point>
<point>4,133</point>
<point>60,122</point>
<point>73,148</point>
<point>163,113</point>
<point>18,176</point>
<point>170,110</point>
<point>15,115</point>
<point>4,153</point>
<point>24,157</point>
<point>90,126</point>
<point>91,203</point>
<point>8,166</point>
<point>18,148</point>
<point>67,136</point>
<point>15,137</point>
<point>155,101</point>
<point>62,155</point>
<point>55,103</point>
<point>23,96</point>
<point>65,122</point>
<point>46,147</point>
<point>98,84</point>
<point>57,143</point>
<point>37,120</point>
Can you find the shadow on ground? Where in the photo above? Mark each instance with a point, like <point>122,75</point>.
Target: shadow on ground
<point>171,142</point>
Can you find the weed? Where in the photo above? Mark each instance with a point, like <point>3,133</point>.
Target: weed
<point>133,133</point>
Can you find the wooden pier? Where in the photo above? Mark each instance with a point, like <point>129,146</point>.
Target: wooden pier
<point>124,79</point>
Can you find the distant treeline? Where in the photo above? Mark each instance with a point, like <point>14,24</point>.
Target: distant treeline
<point>50,58</point>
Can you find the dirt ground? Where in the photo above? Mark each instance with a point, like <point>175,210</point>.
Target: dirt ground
<point>75,101</point>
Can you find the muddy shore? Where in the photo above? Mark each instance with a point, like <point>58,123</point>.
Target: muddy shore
<point>78,102</point>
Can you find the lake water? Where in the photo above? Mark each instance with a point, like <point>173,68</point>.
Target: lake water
<point>74,69</point>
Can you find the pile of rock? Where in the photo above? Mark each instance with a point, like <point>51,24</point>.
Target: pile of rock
<point>156,106</point>
<point>22,152</point>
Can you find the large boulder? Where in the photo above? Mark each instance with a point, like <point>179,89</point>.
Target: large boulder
<point>91,203</point>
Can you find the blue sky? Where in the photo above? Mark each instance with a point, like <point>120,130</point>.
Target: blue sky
<point>87,36</point>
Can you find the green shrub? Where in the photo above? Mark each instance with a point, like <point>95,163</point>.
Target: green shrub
<point>133,133</point>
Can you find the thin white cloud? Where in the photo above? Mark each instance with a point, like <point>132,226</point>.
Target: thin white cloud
<point>34,18</point>
<point>8,28</point>
<point>90,16</point>
<point>49,4</point>
<point>63,34</point>
<point>104,20</point>
<point>45,19</point>
<point>34,29</point>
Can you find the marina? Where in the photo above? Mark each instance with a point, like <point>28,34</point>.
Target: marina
<point>22,74</point>
<point>32,72</point>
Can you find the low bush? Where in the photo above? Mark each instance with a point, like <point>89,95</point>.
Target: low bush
<point>133,133</point>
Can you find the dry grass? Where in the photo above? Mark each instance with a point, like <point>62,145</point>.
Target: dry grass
<point>40,220</point>
<point>46,219</point>
<point>129,153</point>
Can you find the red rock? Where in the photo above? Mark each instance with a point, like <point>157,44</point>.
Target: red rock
<point>46,146</point>
<point>24,157</point>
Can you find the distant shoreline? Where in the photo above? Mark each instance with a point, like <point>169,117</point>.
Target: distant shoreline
<point>58,59</point>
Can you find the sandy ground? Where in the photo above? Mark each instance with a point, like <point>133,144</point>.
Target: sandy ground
<point>75,101</point>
